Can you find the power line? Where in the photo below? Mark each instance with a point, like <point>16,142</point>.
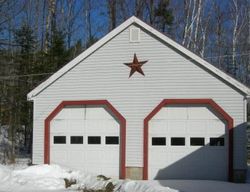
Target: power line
<point>243,54</point>
<point>26,75</point>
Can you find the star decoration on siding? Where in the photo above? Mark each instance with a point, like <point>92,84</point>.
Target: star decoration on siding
<point>135,66</point>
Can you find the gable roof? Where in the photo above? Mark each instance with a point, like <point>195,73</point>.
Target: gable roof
<point>134,20</point>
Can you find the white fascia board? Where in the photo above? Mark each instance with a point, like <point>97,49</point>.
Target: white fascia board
<point>79,58</point>
<point>158,34</point>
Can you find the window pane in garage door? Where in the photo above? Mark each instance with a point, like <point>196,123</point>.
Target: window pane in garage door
<point>76,139</point>
<point>111,140</point>
<point>94,140</point>
<point>178,141</point>
<point>216,141</point>
<point>197,141</point>
<point>59,139</point>
<point>158,141</point>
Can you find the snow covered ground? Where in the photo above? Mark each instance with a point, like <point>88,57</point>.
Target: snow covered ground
<point>206,186</point>
<point>203,186</point>
<point>44,178</point>
<point>41,178</point>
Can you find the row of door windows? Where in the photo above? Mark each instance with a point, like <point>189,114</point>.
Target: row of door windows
<point>194,141</point>
<point>109,140</point>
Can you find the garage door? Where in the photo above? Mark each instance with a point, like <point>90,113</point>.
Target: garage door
<point>187,142</point>
<point>86,138</point>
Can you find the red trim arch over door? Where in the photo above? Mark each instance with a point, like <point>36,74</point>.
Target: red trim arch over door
<point>209,102</point>
<point>105,103</point>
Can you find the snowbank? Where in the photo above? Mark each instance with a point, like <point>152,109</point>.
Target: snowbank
<point>41,177</point>
<point>44,178</point>
<point>140,186</point>
<point>4,173</point>
<point>52,177</point>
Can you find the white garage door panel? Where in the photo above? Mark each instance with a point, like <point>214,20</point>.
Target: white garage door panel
<point>177,155</point>
<point>162,114</point>
<point>97,113</point>
<point>177,127</point>
<point>58,125</point>
<point>75,125</point>
<point>216,127</point>
<point>93,158</point>
<point>62,114</point>
<point>71,113</point>
<point>75,113</point>
<point>114,127</point>
<point>197,113</point>
<point>111,158</point>
<point>111,127</point>
<point>159,161</point>
<point>102,126</point>
<point>188,161</point>
<point>158,127</point>
<point>94,127</point>
<point>177,113</point>
<point>59,156</point>
<point>75,161</point>
<point>197,127</point>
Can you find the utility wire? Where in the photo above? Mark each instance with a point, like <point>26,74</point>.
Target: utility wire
<point>41,74</point>
<point>27,75</point>
<point>243,54</point>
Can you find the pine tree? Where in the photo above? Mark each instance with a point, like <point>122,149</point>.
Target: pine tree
<point>163,15</point>
<point>57,54</point>
<point>22,113</point>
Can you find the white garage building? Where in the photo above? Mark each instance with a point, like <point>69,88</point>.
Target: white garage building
<point>139,105</point>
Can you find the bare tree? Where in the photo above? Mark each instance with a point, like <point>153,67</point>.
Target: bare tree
<point>151,11</point>
<point>192,24</point>
<point>70,19</point>
<point>204,35</point>
<point>187,11</point>
<point>87,23</point>
<point>239,15</point>
<point>139,8</point>
<point>123,9</point>
<point>50,22</point>
<point>198,18</point>
<point>43,30</point>
<point>111,4</point>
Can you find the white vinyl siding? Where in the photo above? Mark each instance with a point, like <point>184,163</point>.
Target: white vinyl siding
<point>168,74</point>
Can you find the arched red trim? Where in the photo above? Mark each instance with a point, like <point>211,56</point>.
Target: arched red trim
<point>88,102</point>
<point>209,102</point>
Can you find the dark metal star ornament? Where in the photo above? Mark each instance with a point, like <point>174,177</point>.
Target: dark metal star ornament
<point>135,66</point>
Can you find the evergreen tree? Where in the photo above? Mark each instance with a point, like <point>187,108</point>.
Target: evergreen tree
<point>91,41</point>
<point>58,55</point>
<point>21,110</point>
<point>75,50</point>
<point>163,15</point>
<point>54,58</point>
